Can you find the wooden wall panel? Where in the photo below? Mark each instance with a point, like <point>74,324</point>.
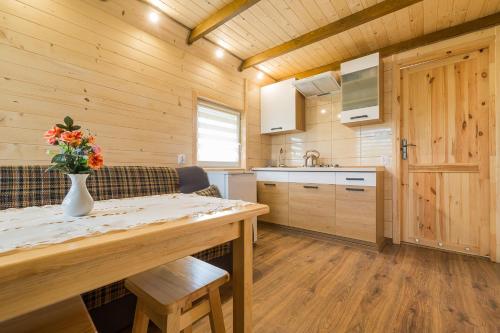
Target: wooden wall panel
<point>127,80</point>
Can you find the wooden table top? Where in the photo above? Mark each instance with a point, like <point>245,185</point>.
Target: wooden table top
<point>94,261</point>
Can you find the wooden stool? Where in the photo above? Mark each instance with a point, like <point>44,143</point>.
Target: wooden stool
<point>165,295</point>
<point>69,316</point>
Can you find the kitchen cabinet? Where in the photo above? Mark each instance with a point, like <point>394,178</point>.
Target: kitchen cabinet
<point>282,108</point>
<point>356,212</point>
<point>344,202</point>
<point>312,207</point>
<point>275,195</point>
<point>362,91</point>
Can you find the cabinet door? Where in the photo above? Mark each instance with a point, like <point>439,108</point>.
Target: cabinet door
<point>278,107</point>
<point>275,195</point>
<point>360,89</point>
<point>356,212</point>
<point>312,207</point>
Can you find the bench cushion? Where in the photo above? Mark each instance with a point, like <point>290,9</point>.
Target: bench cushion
<point>23,186</point>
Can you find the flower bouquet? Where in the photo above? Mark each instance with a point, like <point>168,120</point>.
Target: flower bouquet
<point>78,156</point>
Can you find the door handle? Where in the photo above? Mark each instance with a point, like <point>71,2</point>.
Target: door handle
<point>404,148</point>
<point>276,128</point>
<point>311,186</point>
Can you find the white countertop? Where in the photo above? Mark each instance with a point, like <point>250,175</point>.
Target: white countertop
<point>328,169</point>
<point>228,171</point>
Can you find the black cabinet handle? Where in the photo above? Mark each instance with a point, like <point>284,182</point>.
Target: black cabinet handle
<point>359,117</point>
<point>354,189</point>
<point>269,184</point>
<point>310,186</point>
<point>360,179</point>
<point>276,128</point>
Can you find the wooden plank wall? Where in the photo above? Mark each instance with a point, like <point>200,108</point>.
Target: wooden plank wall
<point>127,80</point>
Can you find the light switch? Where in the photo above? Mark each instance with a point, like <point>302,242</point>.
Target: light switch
<point>181,159</point>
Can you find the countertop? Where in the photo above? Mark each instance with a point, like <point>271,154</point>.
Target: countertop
<point>328,169</point>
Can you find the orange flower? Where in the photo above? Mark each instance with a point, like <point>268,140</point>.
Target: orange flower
<point>91,139</point>
<point>73,138</point>
<point>95,161</point>
<point>53,134</point>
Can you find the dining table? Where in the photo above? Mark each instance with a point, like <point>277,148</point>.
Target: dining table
<point>45,274</point>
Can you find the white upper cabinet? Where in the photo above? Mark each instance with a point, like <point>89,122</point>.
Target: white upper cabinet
<point>281,108</point>
<point>361,90</point>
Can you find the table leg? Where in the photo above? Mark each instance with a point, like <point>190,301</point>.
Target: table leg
<point>242,279</point>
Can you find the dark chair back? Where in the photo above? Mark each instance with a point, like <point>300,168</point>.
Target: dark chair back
<point>192,179</point>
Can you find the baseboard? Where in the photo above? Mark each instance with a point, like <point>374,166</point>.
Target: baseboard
<point>327,237</point>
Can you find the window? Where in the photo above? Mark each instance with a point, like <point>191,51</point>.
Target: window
<point>218,136</point>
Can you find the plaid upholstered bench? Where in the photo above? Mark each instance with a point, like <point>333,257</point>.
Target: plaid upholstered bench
<point>23,186</point>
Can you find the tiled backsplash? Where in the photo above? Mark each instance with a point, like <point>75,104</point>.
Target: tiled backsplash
<point>337,143</point>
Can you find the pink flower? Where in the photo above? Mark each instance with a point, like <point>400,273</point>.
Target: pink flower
<point>96,149</point>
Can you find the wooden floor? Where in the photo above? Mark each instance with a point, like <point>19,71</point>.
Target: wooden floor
<point>303,284</point>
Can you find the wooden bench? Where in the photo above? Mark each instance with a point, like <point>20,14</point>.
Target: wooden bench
<point>177,294</point>
<point>69,316</point>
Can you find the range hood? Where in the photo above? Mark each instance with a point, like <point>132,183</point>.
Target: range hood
<point>320,84</point>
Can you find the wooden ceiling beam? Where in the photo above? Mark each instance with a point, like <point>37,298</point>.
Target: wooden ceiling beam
<point>363,16</point>
<point>218,18</point>
<point>462,29</point>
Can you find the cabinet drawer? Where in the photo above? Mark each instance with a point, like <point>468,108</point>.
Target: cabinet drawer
<point>368,115</point>
<point>356,178</point>
<point>312,207</point>
<point>273,176</point>
<point>356,212</point>
<point>275,195</point>
<point>356,193</point>
<point>314,177</point>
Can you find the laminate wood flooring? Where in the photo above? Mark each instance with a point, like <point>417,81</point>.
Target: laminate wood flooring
<point>309,284</point>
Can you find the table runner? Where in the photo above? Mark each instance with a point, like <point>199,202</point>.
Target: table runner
<point>32,226</point>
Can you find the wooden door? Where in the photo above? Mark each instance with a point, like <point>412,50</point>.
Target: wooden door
<point>445,111</point>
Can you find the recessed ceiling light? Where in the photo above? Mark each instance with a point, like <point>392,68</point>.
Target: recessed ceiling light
<point>323,111</point>
<point>260,75</point>
<point>153,17</point>
<point>219,53</point>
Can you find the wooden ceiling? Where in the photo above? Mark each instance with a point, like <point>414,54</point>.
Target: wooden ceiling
<point>269,23</point>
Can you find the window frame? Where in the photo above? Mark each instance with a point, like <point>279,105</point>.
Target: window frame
<point>222,108</point>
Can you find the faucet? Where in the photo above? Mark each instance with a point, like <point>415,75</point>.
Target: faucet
<point>313,155</point>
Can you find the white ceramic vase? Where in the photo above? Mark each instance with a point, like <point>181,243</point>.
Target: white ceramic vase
<point>78,201</point>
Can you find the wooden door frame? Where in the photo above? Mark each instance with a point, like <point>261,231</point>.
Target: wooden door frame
<point>488,38</point>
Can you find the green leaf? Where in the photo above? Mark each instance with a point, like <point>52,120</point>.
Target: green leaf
<point>59,158</point>
<point>62,126</point>
<point>68,121</point>
<point>74,128</point>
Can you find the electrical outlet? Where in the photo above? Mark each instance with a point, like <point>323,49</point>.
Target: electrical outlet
<point>181,159</point>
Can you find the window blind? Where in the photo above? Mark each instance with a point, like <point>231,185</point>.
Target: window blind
<point>218,135</point>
